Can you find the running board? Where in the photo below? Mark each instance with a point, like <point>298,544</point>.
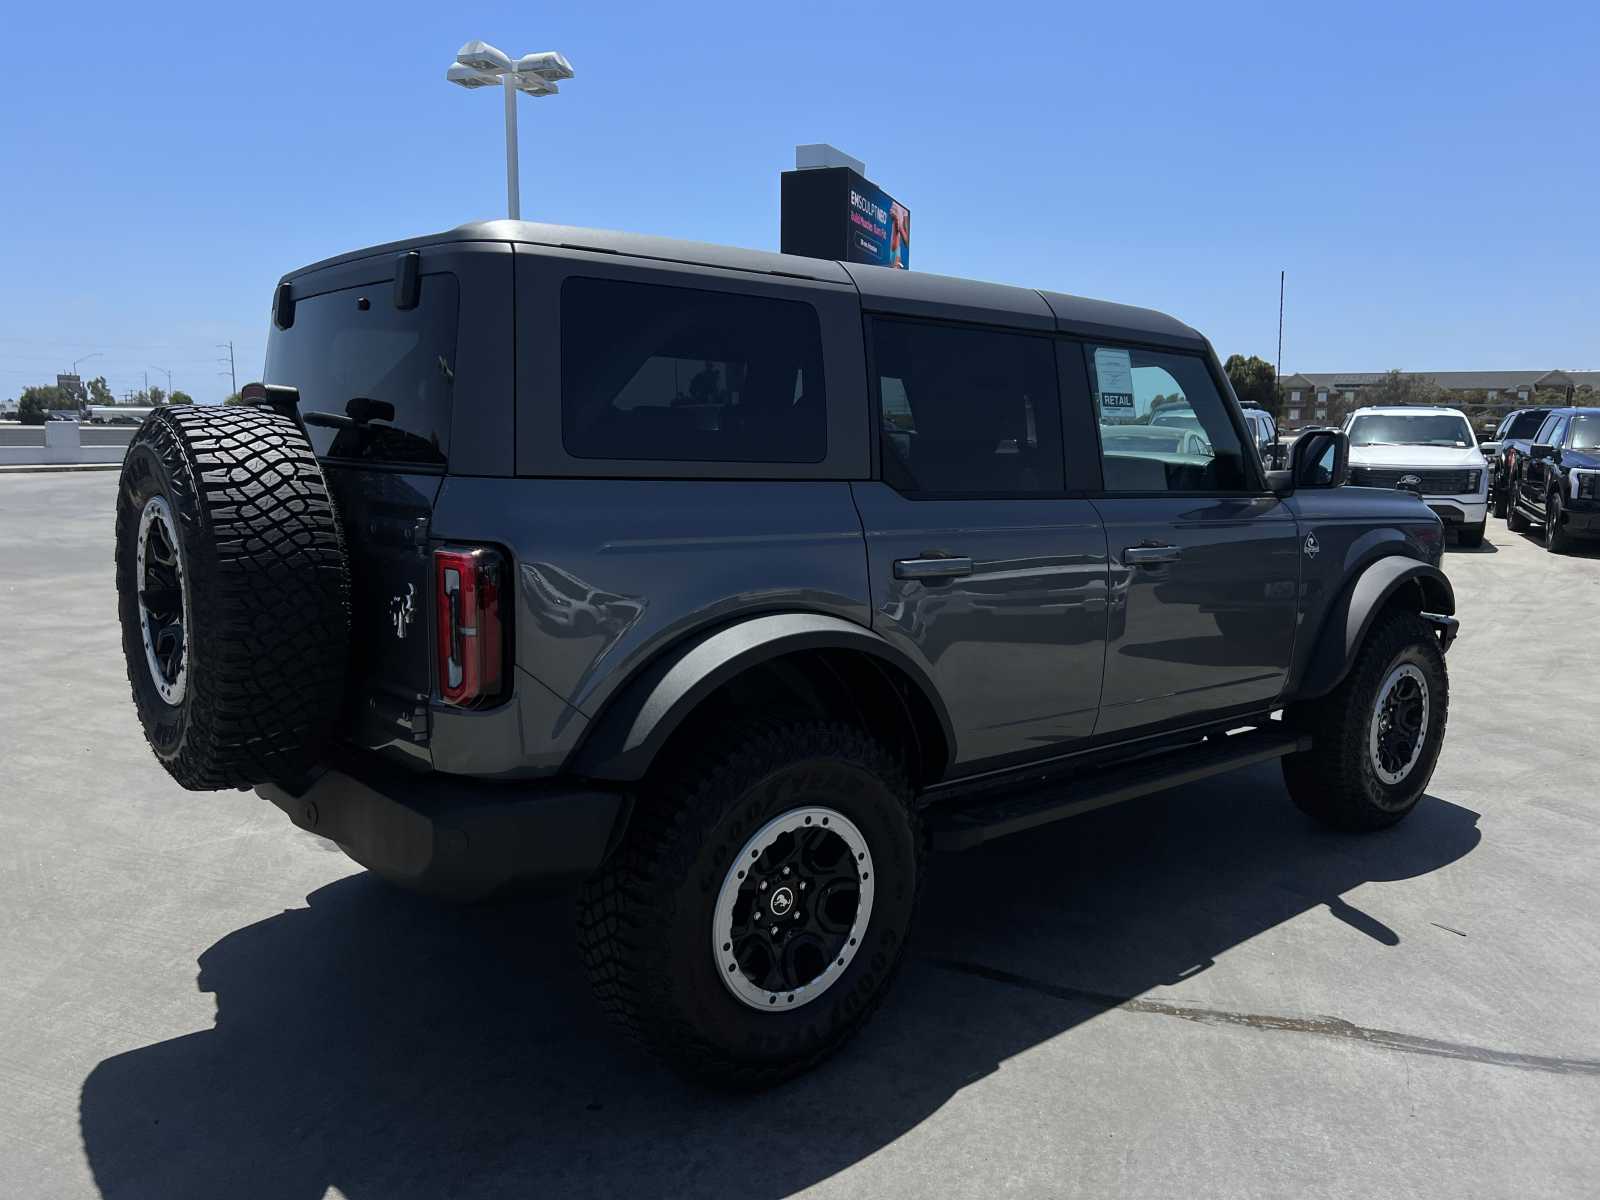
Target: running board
<point>960,828</point>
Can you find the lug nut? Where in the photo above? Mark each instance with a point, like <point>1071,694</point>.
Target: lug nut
<point>786,870</point>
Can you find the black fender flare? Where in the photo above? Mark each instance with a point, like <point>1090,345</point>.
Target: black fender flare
<point>1350,617</point>
<point>638,720</point>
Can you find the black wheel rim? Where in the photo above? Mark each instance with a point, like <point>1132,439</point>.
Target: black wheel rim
<point>163,606</point>
<point>793,909</point>
<point>1399,724</point>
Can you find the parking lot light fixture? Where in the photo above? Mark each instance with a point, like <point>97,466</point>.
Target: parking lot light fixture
<point>479,64</point>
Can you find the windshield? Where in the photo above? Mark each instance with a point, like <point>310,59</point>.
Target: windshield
<point>1585,432</point>
<point>1424,429</point>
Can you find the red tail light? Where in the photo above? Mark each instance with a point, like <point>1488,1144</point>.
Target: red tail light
<point>471,633</point>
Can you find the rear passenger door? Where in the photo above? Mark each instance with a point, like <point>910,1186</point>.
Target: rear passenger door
<point>984,562</point>
<point>1205,562</point>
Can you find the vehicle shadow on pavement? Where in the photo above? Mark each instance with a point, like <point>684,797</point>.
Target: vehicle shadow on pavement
<point>388,1046</point>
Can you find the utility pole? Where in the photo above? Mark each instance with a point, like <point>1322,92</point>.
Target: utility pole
<point>233,375</point>
<point>1278,380</point>
<point>168,374</point>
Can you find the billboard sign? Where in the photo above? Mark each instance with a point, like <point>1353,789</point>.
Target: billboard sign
<point>835,212</point>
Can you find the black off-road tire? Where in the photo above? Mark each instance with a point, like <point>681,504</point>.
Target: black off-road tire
<point>1335,781</point>
<point>266,595</point>
<point>1501,505</point>
<point>645,920</point>
<point>1470,537</point>
<point>1556,538</point>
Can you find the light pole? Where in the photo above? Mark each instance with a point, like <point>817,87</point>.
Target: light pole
<point>85,358</point>
<point>479,64</point>
<point>168,374</point>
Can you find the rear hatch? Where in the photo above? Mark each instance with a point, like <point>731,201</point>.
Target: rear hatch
<point>376,383</point>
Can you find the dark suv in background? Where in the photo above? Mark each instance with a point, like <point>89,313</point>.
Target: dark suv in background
<point>1511,438</point>
<point>1556,483</point>
<point>724,583</point>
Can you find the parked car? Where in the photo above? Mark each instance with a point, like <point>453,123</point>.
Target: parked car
<point>1429,450</point>
<point>722,584</point>
<point>1557,482</point>
<point>1512,440</point>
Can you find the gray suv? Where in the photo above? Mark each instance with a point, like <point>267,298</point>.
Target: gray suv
<point>724,584</point>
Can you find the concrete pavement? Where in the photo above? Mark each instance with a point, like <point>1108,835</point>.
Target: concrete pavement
<point>1197,994</point>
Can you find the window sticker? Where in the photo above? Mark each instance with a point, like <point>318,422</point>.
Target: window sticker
<point>1113,371</point>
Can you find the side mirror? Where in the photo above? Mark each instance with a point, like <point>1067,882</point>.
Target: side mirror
<point>1541,450</point>
<point>1320,459</point>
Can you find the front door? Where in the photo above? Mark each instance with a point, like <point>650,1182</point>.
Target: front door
<point>1204,562</point>
<point>982,566</point>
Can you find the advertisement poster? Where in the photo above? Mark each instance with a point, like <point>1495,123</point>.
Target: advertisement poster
<point>880,227</point>
<point>1113,371</point>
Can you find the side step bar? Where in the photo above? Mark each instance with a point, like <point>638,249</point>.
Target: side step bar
<point>954,827</point>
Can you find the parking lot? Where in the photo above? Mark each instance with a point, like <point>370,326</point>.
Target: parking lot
<point>1195,994</point>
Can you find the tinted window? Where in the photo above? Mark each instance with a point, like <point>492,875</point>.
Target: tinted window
<point>1546,428</point>
<point>1523,425</point>
<point>1558,431</point>
<point>1585,432</point>
<point>1399,429</point>
<point>667,373</point>
<point>1142,399</point>
<point>355,345</point>
<point>967,411</point>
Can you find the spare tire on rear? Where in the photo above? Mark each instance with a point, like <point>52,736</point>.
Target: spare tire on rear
<point>233,590</point>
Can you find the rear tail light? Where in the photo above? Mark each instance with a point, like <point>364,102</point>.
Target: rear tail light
<point>468,585</point>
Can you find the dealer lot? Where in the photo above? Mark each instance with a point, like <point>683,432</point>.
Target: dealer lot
<point>1198,993</point>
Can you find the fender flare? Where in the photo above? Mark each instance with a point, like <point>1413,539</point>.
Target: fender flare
<point>1350,617</point>
<point>648,709</point>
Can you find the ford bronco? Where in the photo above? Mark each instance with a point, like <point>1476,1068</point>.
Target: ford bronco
<point>723,584</point>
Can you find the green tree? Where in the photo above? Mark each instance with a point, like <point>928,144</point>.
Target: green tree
<point>35,404</point>
<point>180,397</point>
<point>1397,387</point>
<point>1253,379</point>
<point>157,397</point>
<point>100,391</point>
<point>233,398</point>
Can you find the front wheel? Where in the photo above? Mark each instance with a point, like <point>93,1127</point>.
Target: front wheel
<point>1377,736</point>
<point>757,910</point>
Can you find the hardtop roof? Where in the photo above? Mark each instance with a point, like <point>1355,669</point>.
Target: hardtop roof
<point>882,289</point>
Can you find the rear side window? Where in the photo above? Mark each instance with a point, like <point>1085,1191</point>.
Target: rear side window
<point>967,412</point>
<point>683,375</point>
<point>1524,425</point>
<point>1163,424</point>
<point>353,354</point>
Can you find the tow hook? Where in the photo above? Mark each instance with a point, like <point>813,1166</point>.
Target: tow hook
<point>1445,627</point>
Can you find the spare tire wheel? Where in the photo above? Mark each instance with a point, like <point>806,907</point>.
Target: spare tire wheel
<point>233,590</point>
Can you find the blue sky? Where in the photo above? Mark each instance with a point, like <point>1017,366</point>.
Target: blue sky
<point>1427,175</point>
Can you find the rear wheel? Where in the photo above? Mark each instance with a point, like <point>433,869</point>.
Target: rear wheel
<point>233,595</point>
<point>758,908</point>
<point>1515,521</point>
<point>1500,507</point>
<point>1556,538</point>
<point>1377,736</point>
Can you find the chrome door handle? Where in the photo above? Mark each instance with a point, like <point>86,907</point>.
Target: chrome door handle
<point>1135,556</point>
<point>932,568</point>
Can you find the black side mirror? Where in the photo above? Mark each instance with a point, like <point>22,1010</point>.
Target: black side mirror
<point>1320,459</point>
<point>1541,450</point>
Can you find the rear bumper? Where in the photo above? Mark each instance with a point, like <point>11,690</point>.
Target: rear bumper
<point>454,836</point>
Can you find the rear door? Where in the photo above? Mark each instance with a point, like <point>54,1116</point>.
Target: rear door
<point>1204,561</point>
<point>376,384</point>
<point>983,563</point>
